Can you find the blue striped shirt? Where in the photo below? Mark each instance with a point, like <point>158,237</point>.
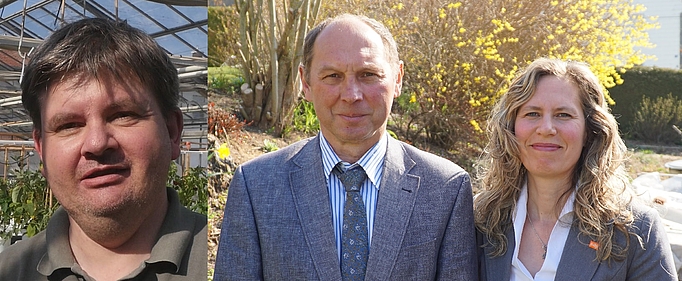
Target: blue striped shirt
<point>373,163</point>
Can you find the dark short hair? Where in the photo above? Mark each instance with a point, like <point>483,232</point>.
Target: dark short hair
<point>386,37</point>
<point>94,47</point>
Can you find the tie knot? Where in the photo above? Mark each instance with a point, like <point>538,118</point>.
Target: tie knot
<point>352,179</point>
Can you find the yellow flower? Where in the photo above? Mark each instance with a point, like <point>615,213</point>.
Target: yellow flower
<point>454,5</point>
<point>474,124</point>
<point>413,98</point>
<point>223,151</point>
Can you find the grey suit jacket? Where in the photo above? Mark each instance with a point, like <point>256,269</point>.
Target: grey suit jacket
<point>653,261</point>
<point>278,222</point>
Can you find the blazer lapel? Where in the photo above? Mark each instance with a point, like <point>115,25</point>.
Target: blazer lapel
<point>309,190</point>
<point>395,203</point>
<point>577,259</point>
<point>499,268</point>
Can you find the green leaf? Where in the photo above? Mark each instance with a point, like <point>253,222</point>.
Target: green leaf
<point>30,208</point>
<point>15,194</point>
<point>30,230</point>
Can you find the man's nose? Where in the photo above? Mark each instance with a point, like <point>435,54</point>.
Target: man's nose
<point>97,139</point>
<point>351,91</point>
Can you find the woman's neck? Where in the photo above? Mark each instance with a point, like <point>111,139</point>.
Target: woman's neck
<point>546,198</point>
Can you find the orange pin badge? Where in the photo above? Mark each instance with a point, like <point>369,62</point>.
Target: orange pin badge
<point>594,245</point>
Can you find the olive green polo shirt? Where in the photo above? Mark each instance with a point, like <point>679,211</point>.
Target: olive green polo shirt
<point>180,253</point>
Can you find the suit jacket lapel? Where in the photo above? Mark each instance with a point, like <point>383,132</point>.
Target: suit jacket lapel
<point>309,190</point>
<point>395,203</point>
<point>577,259</point>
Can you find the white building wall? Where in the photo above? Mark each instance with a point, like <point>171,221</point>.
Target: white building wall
<point>667,37</point>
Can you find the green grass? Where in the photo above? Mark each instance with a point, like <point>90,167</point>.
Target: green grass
<point>646,151</point>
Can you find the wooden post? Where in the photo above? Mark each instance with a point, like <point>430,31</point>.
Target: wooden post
<point>247,102</point>
<point>5,166</point>
<point>258,103</point>
<point>245,87</point>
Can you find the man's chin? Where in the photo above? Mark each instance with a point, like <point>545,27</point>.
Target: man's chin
<point>120,209</point>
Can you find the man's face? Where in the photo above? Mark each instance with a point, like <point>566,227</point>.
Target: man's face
<point>105,146</point>
<point>351,83</point>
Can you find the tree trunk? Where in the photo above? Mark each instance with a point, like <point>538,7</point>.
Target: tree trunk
<point>270,52</point>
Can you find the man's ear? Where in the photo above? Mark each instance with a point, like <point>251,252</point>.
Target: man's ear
<point>38,142</point>
<point>399,79</point>
<point>174,124</point>
<point>304,83</point>
<point>38,145</point>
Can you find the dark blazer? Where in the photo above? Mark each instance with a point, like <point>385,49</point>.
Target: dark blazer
<point>278,222</point>
<point>653,261</point>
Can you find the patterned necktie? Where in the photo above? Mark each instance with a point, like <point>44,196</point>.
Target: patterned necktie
<point>354,242</point>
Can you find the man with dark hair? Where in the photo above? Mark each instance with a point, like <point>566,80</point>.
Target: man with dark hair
<point>103,99</point>
<point>352,203</point>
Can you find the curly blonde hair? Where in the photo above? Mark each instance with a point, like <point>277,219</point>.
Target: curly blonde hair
<point>601,197</point>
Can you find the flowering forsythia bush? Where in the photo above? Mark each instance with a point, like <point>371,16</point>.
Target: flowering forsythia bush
<point>460,55</point>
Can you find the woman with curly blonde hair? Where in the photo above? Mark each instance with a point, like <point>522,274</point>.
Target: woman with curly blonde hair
<point>555,202</point>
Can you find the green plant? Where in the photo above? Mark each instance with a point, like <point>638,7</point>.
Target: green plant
<point>654,120</point>
<point>26,204</point>
<point>191,187</point>
<point>641,81</point>
<point>304,119</point>
<point>227,79</point>
<point>269,146</point>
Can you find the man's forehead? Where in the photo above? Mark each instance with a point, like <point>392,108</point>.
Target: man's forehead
<point>120,91</point>
<point>103,79</point>
<point>338,41</point>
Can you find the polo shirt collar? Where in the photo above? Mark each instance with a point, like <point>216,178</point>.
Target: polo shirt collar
<point>59,255</point>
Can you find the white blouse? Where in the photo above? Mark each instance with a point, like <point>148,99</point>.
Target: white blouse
<point>555,245</point>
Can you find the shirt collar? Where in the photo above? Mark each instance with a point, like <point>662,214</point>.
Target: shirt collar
<point>372,161</point>
<point>59,254</point>
<point>566,215</point>
<point>175,235</point>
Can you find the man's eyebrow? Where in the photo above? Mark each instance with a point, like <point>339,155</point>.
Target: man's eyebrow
<point>367,66</point>
<point>328,67</point>
<point>129,104</point>
<point>60,118</point>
